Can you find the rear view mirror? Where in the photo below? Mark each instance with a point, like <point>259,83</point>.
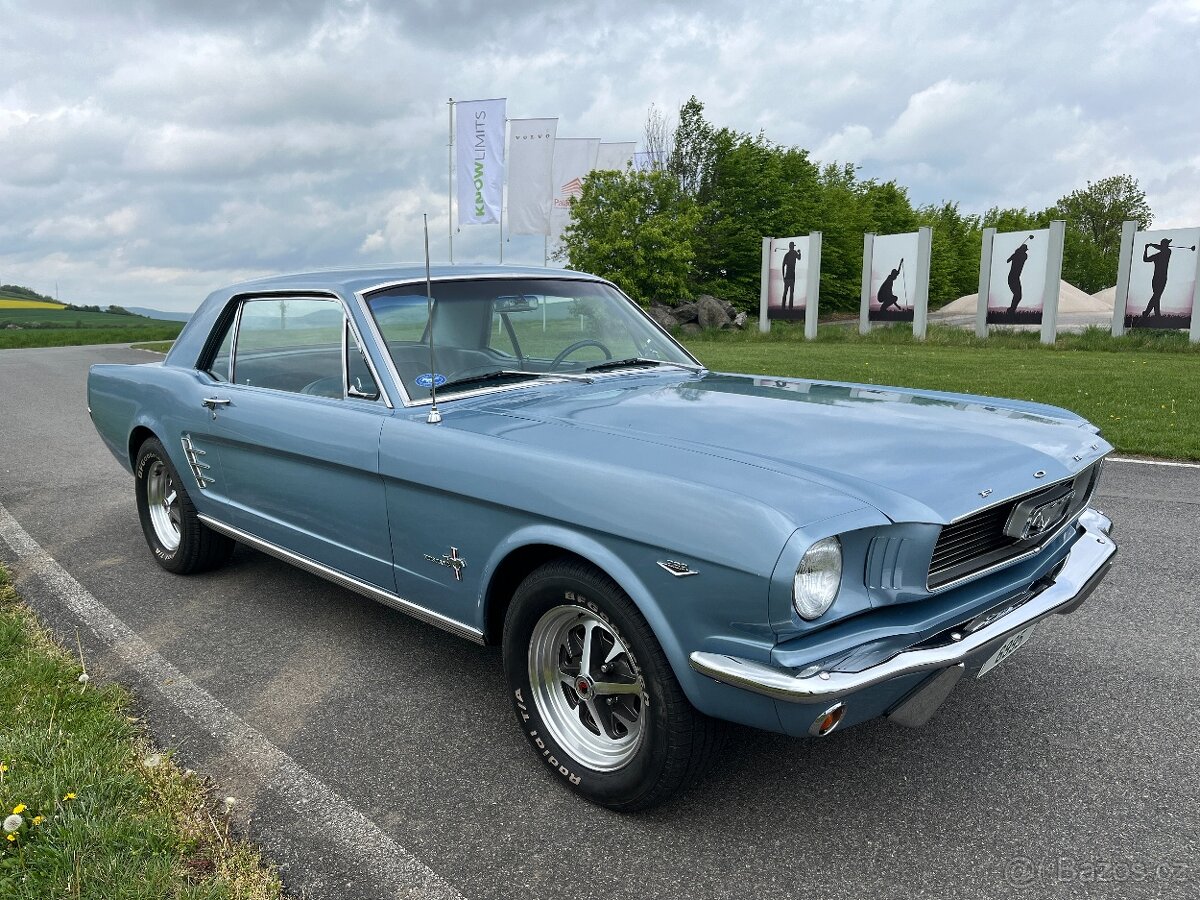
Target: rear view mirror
<point>513,303</point>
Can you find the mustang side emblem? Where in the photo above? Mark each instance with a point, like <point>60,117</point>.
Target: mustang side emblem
<point>450,560</point>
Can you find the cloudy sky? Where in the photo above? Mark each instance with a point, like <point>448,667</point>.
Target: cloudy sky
<point>152,151</point>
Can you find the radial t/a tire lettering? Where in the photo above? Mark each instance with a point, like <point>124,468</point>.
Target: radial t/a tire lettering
<point>181,543</point>
<point>594,692</point>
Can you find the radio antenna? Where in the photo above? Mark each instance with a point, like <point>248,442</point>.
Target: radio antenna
<point>435,415</point>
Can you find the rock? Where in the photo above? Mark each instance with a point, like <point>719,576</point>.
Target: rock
<point>739,321</point>
<point>685,312</point>
<point>690,328</point>
<point>725,304</point>
<point>663,315</point>
<point>711,313</point>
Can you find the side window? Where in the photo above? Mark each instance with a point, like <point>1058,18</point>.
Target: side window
<point>291,344</point>
<point>219,367</point>
<point>359,382</point>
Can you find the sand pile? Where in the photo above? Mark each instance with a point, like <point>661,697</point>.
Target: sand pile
<point>1108,297</point>
<point>1070,300</point>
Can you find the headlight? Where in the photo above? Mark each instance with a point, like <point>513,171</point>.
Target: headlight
<point>818,578</point>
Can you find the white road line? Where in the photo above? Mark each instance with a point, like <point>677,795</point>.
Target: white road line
<point>353,834</point>
<point>1154,462</point>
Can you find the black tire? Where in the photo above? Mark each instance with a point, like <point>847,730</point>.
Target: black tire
<point>199,548</point>
<point>675,742</point>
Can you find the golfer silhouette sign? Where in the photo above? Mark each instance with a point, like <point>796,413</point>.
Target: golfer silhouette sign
<point>893,277</point>
<point>1162,279</point>
<point>1018,280</point>
<point>787,290</point>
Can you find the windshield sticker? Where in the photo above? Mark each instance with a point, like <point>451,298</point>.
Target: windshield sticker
<point>430,379</point>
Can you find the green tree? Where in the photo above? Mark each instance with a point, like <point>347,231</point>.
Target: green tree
<point>1016,219</point>
<point>693,149</point>
<point>698,226</point>
<point>844,215</point>
<point>890,209</point>
<point>1094,215</point>
<point>954,255</point>
<point>637,229</point>
<point>753,189</point>
<point>16,290</point>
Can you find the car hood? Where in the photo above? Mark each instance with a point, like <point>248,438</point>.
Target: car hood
<point>914,455</point>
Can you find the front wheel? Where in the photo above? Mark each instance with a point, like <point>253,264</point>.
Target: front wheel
<point>180,541</point>
<point>594,692</point>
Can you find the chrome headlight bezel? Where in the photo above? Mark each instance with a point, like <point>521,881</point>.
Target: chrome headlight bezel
<point>818,579</point>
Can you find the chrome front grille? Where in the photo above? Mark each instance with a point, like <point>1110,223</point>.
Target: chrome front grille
<point>977,542</point>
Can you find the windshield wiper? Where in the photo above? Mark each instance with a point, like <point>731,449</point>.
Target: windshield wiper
<point>489,376</point>
<point>641,361</point>
<point>510,373</point>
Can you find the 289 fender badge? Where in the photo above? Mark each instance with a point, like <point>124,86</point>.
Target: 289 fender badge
<point>450,560</point>
<point>678,569</point>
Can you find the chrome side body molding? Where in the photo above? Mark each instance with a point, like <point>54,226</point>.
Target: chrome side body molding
<point>347,581</point>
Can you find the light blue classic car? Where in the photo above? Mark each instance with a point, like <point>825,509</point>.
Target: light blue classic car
<point>522,457</point>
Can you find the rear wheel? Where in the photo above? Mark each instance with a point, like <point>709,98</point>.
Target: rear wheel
<point>180,541</point>
<point>594,692</point>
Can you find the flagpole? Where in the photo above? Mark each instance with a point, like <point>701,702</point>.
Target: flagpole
<point>504,142</point>
<point>450,180</point>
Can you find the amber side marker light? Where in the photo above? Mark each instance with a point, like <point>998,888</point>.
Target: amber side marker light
<point>827,721</point>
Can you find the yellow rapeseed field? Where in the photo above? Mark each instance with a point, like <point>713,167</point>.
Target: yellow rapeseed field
<point>21,303</point>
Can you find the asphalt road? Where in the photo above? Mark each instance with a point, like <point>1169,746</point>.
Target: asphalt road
<point>1073,770</point>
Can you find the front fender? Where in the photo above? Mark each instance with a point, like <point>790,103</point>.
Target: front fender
<point>720,607</point>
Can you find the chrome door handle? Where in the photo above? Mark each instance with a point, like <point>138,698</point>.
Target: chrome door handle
<point>211,403</point>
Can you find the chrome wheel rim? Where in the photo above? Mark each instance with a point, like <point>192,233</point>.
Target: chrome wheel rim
<point>162,499</point>
<point>587,687</point>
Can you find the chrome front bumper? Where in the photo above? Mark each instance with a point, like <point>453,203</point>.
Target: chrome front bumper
<point>1084,568</point>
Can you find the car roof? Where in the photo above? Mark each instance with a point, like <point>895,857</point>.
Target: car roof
<point>352,280</point>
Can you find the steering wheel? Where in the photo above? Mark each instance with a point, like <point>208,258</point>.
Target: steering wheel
<point>578,345</point>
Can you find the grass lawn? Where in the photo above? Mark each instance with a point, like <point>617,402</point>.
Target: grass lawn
<point>48,316</point>
<point>1142,390</point>
<point>153,346</point>
<point>89,807</point>
<point>71,337</point>
<point>42,325</point>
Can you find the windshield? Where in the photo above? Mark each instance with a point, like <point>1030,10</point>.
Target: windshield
<point>493,331</point>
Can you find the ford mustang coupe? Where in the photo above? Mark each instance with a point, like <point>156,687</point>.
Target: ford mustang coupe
<point>522,457</point>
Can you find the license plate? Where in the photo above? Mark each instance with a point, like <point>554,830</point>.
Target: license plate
<point>1007,649</point>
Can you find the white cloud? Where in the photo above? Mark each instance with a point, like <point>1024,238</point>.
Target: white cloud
<point>150,152</point>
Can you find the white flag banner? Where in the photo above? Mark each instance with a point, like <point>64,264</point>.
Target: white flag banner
<point>479,134</point>
<point>530,175</point>
<point>573,159</point>
<point>616,156</point>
